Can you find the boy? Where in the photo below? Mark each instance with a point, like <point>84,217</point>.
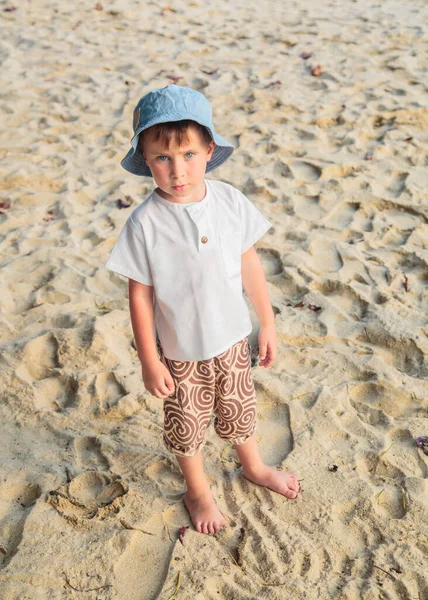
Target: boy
<point>187,250</point>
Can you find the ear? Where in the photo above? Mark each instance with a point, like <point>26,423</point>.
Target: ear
<point>140,148</point>
<point>211,148</point>
<point>144,156</point>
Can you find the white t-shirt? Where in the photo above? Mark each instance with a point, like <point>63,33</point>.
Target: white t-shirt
<point>191,255</point>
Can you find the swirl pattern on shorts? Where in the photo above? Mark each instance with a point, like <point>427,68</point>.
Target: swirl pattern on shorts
<point>222,385</point>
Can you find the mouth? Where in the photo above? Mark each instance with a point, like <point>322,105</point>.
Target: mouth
<point>178,188</point>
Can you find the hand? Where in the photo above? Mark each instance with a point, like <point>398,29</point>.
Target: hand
<point>267,345</point>
<point>157,379</point>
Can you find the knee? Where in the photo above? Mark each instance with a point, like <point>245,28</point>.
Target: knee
<point>183,434</point>
<point>236,428</point>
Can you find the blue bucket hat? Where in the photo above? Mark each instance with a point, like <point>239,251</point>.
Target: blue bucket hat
<point>173,103</point>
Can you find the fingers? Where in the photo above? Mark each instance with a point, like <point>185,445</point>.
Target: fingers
<point>266,356</point>
<point>164,391</point>
<point>163,394</point>
<point>266,362</point>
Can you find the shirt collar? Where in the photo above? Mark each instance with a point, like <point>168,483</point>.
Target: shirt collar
<point>191,207</point>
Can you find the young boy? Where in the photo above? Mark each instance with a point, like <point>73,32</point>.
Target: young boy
<point>187,250</point>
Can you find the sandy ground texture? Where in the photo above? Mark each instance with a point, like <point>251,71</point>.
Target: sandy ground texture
<point>332,148</point>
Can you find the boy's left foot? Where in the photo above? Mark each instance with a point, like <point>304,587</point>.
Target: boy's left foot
<point>277,481</point>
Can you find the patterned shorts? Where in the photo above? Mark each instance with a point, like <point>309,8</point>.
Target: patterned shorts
<point>223,385</point>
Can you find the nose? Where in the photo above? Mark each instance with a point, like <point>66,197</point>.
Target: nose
<point>177,168</point>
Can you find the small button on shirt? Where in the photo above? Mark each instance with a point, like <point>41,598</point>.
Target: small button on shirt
<point>191,255</point>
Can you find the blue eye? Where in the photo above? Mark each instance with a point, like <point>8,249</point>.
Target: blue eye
<point>160,158</point>
<point>190,153</point>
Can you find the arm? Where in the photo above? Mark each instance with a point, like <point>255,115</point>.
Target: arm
<point>141,309</point>
<point>254,282</point>
<point>157,379</point>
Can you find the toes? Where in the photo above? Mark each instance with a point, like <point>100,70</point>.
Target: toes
<point>294,485</point>
<point>219,527</point>
<point>291,491</point>
<point>208,527</point>
<point>204,528</point>
<point>290,494</point>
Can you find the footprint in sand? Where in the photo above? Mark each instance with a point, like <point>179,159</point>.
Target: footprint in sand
<point>167,477</point>
<point>371,415</point>
<point>384,396</point>
<point>399,458</point>
<point>342,297</point>
<point>413,265</point>
<point>16,502</point>
<point>47,294</point>
<point>402,354</point>
<point>39,357</point>
<point>308,207</point>
<point>341,215</point>
<point>292,285</point>
<point>109,390</point>
<point>90,494</point>
<point>271,261</point>
<point>389,468</point>
<point>363,221</point>
<point>302,134</point>
<point>89,454</point>
<point>390,500</point>
<point>64,321</point>
<point>132,464</point>
<point>281,169</point>
<point>325,258</point>
<point>130,577</point>
<point>305,171</point>
<point>398,184</point>
<point>55,393</point>
<point>274,431</point>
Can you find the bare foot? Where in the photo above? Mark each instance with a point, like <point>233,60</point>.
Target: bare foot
<point>277,481</point>
<point>204,513</point>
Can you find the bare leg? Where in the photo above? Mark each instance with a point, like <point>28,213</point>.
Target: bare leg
<point>198,499</point>
<point>256,471</point>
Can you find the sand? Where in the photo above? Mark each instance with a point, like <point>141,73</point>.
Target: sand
<point>336,158</point>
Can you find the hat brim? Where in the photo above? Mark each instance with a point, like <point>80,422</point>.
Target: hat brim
<point>134,160</point>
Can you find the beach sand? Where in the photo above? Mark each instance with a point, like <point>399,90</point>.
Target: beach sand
<point>332,148</point>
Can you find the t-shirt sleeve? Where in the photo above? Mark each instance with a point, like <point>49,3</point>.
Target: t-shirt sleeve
<point>253,223</point>
<point>129,255</point>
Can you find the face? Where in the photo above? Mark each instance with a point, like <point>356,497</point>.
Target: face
<point>178,171</point>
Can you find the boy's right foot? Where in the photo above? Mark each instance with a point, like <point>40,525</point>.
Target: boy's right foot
<point>204,513</point>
